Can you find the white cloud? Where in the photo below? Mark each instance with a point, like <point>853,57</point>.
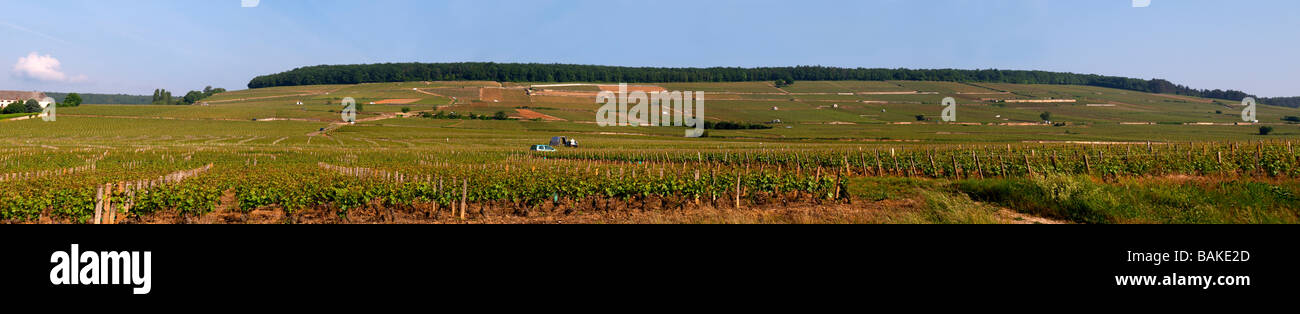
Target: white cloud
<point>43,68</point>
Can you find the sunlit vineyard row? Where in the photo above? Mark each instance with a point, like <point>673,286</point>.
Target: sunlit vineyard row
<point>479,183</point>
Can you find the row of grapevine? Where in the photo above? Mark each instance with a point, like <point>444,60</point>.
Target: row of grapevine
<point>1266,159</point>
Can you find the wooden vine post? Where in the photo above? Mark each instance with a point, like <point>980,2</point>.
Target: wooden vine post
<point>738,189</point>
<point>99,204</point>
<point>464,198</point>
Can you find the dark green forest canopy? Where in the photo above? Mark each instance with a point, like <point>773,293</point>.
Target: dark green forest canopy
<point>534,72</point>
<point>1293,102</point>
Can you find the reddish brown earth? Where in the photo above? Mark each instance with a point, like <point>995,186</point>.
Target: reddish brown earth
<point>396,101</point>
<point>529,115</point>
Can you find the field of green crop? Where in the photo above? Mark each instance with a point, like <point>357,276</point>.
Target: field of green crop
<point>862,158</point>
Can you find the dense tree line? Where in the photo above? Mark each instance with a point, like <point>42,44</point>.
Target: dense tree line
<point>123,99</point>
<point>1293,102</point>
<point>104,99</point>
<point>533,72</point>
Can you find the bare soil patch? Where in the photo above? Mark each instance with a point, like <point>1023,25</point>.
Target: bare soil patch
<point>527,114</point>
<point>633,88</point>
<point>491,94</point>
<point>396,101</point>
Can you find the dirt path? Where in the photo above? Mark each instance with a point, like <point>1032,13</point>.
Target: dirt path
<point>451,103</point>
<point>417,90</point>
<point>1017,218</point>
<point>225,206</point>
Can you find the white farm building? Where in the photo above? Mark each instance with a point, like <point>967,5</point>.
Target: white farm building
<point>10,97</point>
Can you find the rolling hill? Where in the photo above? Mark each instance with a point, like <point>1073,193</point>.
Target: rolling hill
<point>877,110</point>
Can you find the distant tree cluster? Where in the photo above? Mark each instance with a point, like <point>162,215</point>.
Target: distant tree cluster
<point>727,125</point>
<point>533,72</point>
<point>195,96</point>
<point>164,97</point>
<point>71,100</point>
<point>500,115</point>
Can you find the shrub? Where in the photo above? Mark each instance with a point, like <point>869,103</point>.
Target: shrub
<point>728,125</point>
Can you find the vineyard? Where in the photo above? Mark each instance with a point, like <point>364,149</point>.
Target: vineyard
<point>836,152</point>
<point>380,185</point>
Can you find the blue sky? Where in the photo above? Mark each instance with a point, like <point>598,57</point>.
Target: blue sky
<point>135,46</point>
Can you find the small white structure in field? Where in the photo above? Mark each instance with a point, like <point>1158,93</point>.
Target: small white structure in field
<point>299,103</point>
<point>775,108</point>
<point>837,106</point>
<point>372,103</point>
